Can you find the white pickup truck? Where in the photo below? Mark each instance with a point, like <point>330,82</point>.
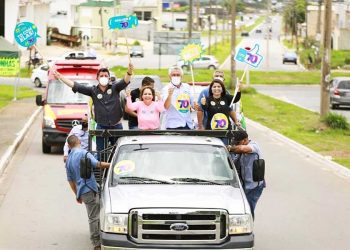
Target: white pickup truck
<point>173,192</point>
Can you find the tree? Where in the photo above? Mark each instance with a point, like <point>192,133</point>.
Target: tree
<point>294,14</point>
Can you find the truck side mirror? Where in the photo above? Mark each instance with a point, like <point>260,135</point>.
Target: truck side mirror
<point>39,100</point>
<point>85,167</point>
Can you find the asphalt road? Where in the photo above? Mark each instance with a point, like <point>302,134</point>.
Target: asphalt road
<point>306,204</point>
<point>301,95</point>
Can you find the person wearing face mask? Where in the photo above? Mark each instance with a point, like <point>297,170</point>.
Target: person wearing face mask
<point>148,109</point>
<point>105,98</point>
<point>80,131</point>
<point>178,101</point>
<point>202,115</point>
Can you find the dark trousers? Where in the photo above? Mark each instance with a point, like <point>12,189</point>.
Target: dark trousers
<point>100,140</point>
<point>92,204</point>
<point>253,196</point>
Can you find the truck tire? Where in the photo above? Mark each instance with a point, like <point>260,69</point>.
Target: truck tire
<point>46,148</point>
<point>37,83</point>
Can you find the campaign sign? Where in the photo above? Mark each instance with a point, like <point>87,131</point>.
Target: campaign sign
<point>123,22</point>
<point>26,34</point>
<point>250,57</point>
<point>191,52</point>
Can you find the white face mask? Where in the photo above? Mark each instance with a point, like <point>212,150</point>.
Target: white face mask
<point>176,80</point>
<point>104,81</point>
<point>219,78</point>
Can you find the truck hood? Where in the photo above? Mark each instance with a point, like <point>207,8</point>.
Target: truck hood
<point>125,197</point>
<point>66,111</point>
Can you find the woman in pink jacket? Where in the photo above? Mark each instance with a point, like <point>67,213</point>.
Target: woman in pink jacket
<point>148,110</point>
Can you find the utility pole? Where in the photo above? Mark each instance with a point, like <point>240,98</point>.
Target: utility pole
<point>209,35</point>
<point>198,4</point>
<point>268,35</point>
<point>233,44</point>
<point>190,19</point>
<point>318,27</point>
<point>216,23</point>
<point>326,57</point>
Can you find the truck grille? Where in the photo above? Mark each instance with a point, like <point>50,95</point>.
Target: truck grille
<point>178,226</point>
<point>65,124</point>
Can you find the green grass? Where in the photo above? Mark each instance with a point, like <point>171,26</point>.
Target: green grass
<point>25,73</point>
<point>307,129</point>
<point>7,93</point>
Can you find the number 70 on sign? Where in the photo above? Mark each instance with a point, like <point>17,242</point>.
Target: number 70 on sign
<point>250,57</point>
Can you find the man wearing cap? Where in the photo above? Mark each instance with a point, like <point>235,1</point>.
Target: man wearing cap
<point>245,151</point>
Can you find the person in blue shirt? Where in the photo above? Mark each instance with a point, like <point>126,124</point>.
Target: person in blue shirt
<point>85,190</point>
<point>245,151</point>
<point>81,131</point>
<point>202,116</point>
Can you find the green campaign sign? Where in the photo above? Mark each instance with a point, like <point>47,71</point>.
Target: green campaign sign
<point>9,66</point>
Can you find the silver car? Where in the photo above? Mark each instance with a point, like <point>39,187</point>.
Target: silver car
<point>205,62</point>
<point>173,192</point>
<point>339,92</point>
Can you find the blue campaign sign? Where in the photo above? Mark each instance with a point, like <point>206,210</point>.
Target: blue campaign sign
<point>26,34</point>
<point>250,57</point>
<point>123,22</point>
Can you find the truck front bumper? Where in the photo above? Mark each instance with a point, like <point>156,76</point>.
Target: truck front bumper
<point>54,137</point>
<point>118,242</point>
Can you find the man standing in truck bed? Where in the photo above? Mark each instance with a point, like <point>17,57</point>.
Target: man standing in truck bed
<point>105,97</point>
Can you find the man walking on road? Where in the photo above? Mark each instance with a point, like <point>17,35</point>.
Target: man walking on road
<point>85,189</point>
<point>245,152</point>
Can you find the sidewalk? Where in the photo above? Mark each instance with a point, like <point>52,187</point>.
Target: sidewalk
<point>13,119</point>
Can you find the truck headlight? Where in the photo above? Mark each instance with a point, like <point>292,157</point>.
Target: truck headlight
<point>116,223</point>
<point>49,122</point>
<point>240,224</point>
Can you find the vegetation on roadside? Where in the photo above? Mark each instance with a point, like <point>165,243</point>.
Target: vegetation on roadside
<point>7,94</point>
<point>300,125</point>
<point>25,73</point>
<point>256,77</point>
<point>336,121</point>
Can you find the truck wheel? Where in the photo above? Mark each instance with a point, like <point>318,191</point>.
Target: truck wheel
<point>37,82</point>
<point>46,148</point>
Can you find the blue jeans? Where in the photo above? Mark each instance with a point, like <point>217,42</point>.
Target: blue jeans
<point>111,140</point>
<point>253,196</point>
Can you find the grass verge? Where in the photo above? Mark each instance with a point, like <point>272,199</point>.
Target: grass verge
<point>307,129</point>
<point>7,93</point>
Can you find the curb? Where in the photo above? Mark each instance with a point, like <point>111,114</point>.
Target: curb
<point>338,169</point>
<point>5,159</point>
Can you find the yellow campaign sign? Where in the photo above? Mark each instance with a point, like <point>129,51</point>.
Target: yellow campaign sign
<point>9,66</point>
<point>191,52</point>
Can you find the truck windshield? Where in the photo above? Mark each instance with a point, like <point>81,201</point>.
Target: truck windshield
<point>60,93</point>
<point>173,163</point>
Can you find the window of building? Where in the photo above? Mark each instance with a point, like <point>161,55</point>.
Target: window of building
<point>147,15</point>
<point>138,14</point>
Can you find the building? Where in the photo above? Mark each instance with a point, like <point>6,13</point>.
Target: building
<point>340,24</point>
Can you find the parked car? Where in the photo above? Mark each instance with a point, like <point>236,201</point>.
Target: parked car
<point>244,33</point>
<point>40,75</point>
<point>205,62</point>
<point>258,31</point>
<point>339,92</point>
<point>74,54</point>
<point>290,57</point>
<point>136,51</point>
